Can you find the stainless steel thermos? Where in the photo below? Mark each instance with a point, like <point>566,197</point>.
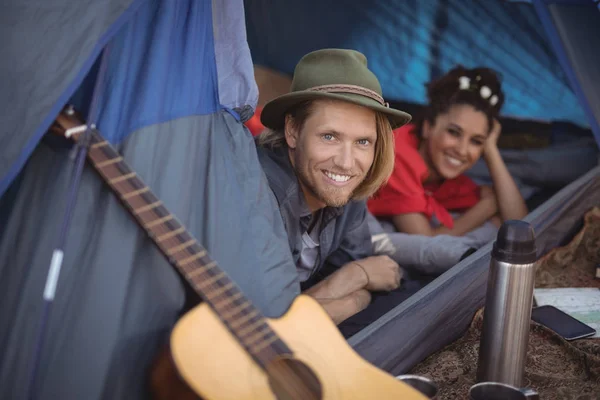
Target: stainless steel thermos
<point>507,313</point>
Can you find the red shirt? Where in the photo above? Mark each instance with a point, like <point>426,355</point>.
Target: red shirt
<point>254,124</point>
<point>406,193</point>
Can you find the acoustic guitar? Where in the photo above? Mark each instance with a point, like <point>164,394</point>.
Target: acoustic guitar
<point>225,348</point>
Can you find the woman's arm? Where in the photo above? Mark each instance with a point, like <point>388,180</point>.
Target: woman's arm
<point>510,202</point>
<point>418,223</point>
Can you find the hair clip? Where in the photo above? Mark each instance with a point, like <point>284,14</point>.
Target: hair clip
<point>464,83</point>
<point>485,92</point>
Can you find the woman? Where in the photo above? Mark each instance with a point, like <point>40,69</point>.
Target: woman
<point>427,193</point>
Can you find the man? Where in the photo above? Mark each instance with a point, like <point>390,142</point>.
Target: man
<point>329,147</point>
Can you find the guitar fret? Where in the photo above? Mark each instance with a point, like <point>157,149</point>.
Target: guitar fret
<point>168,235</point>
<point>182,246</point>
<point>195,272</point>
<point>109,162</point>
<point>263,337</point>
<point>236,324</point>
<point>147,207</point>
<point>213,279</point>
<point>238,309</point>
<point>121,178</point>
<point>258,334</point>
<point>99,144</point>
<point>266,343</point>
<point>232,298</point>
<point>220,290</point>
<point>135,193</point>
<point>158,221</point>
<point>194,257</point>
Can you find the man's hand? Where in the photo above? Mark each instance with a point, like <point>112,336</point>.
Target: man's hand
<point>345,307</point>
<point>346,291</point>
<point>382,272</point>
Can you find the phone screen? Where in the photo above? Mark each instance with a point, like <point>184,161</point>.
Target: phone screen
<point>561,322</point>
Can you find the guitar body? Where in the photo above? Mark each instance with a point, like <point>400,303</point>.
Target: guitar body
<point>215,366</point>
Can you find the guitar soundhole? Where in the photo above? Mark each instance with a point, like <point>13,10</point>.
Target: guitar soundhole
<point>291,379</point>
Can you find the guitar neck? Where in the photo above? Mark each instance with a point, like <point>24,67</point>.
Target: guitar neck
<point>184,252</point>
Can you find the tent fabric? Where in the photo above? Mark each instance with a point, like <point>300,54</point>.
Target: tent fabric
<point>229,28</point>
<point>153,75</point>
<point>552,167</point>
<point>47,51</point>
<point>117,297</point>
<point>409,42</point>
<point>571,28</point>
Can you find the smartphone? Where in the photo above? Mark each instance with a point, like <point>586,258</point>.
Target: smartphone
<point>562,323</point>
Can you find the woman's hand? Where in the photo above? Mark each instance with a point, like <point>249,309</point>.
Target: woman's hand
<point>509,201</point>
<point>491,143</point>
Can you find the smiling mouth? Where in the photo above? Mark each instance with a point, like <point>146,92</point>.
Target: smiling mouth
<point>455,162</point>
<point>337,178</point>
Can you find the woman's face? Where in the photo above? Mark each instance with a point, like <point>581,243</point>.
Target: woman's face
<point>454,142</point>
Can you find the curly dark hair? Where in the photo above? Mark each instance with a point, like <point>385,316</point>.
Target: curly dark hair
<point>446,91</point>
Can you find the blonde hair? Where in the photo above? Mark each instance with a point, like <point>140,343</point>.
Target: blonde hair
<point>383,159</point>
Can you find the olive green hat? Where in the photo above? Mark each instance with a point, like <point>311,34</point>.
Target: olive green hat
<point>336,74</point>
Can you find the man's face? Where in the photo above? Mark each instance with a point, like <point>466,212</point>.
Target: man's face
<point>333,152</point>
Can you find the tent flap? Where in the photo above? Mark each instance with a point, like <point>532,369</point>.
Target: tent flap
<point>45,60</point>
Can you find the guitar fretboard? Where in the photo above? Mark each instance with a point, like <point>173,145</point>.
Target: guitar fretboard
<point>184,252</point>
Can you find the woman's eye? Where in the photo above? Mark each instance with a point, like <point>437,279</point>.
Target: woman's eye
<point>454,132</point>
<point>364,142</point>
<point>477,142</point>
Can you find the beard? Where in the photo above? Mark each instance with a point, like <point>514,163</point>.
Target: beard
<point>330,195</point>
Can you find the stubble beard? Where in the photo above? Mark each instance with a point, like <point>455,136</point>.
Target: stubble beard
<point>330,196</point>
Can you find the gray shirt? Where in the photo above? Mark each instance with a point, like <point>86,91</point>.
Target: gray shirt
<point>342,233</point>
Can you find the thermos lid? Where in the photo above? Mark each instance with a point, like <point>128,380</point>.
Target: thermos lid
<point>515,243</point>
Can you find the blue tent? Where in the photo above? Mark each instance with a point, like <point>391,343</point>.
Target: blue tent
<point>170,83</point>
<point>410,42</point>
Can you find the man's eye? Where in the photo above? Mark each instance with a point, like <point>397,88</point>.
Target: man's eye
<point>328,136</point>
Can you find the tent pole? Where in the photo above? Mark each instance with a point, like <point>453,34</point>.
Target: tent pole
<point>80,152</point>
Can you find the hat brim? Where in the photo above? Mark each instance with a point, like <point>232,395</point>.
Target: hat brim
<point>273,113</point>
